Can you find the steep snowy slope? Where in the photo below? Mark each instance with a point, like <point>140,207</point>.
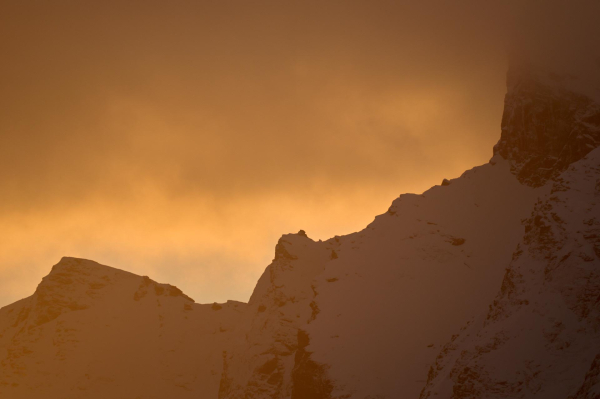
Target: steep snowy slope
<point>540,337</point>
<point>413,274</point>
<point>91,331</point>
<point>362,314</point>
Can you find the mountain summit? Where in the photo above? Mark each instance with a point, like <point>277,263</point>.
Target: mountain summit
<point>547,124</point>
<point>487,286</point>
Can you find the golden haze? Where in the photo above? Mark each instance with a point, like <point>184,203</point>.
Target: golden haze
<point>181,139</point>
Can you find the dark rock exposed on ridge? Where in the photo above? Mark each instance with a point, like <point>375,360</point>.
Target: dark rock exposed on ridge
<point>545,125</point>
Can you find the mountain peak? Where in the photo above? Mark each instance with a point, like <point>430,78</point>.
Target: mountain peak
<point>547,124</point>
<point>83,266</point>
<point>72,284</point>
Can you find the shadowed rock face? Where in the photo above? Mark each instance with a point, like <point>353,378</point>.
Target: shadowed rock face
<point>590,388</point>
<point>309,377</point>
<point>545,126</point>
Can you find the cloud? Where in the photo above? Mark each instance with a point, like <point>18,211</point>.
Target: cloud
<point>181,139</point>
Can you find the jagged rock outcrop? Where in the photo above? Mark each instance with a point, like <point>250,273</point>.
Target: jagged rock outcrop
<point>545,125</point>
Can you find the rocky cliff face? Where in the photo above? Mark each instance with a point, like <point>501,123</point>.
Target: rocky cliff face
<point>485,286</point>
<point>546,125</point>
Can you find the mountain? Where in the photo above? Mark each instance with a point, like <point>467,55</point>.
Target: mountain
<point>368,310</point>
<point>487,285</point>
<point>92,331</point>
<point>540,337</point>
<point>548,123</point>
<point>365,315</point>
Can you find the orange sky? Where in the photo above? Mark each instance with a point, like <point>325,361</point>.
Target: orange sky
<point>180,139</point>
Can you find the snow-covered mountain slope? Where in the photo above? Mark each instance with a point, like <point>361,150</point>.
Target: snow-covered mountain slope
<point>363,314</point>
<point>91,331</point>
<point>540,337</point>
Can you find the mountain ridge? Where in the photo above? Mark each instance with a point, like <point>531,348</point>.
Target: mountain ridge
<point>422,302</point>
